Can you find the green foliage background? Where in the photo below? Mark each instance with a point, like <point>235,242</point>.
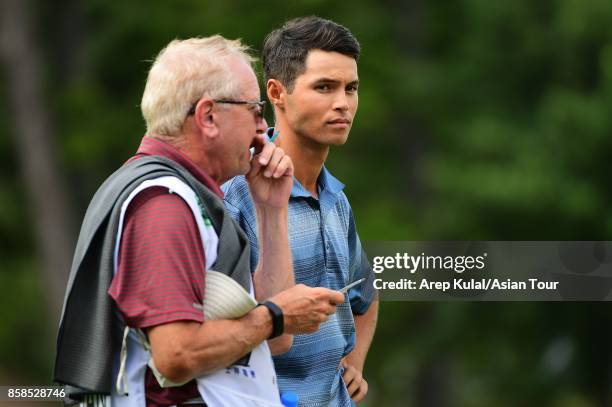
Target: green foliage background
<point>477,120</point>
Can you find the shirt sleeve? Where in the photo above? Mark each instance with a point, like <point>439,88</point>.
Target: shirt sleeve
<point>362,295</point>
<point>161,263</point>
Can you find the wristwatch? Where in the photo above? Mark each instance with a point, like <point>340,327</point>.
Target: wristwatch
<point>278,321</point>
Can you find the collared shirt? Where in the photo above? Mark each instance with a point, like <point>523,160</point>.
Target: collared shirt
<point>161,263</point>
<point>326,252</point>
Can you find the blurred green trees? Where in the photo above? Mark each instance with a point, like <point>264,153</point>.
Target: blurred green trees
<point>477,120</point>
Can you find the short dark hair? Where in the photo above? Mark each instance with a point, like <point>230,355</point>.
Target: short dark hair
<point>286,48</point>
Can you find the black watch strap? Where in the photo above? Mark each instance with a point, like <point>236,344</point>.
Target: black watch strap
<point>278,321</point>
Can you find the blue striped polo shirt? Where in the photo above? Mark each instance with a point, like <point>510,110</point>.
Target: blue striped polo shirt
<point>326,252</point>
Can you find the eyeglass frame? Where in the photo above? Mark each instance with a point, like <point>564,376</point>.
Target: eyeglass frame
<point>260,114</point>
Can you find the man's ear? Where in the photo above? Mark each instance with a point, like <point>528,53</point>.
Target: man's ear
<point>276,93</point>
<point>204,117</point>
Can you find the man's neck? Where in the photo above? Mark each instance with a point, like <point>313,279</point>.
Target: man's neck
<point>308,157</point>
<point>187,143</point>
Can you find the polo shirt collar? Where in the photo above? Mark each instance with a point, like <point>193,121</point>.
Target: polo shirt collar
<point>326,183</point>
<point>298,190</point>
<point>329,182</point>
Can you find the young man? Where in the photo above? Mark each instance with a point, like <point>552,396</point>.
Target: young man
<point>155,228</point>
<point>310,67</point>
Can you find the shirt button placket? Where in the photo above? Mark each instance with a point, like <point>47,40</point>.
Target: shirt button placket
<point>328,253</point>
<point>323,238</point>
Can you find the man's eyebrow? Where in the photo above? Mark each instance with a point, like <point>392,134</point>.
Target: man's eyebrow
<point>334,81</point>
<point>326,80</point>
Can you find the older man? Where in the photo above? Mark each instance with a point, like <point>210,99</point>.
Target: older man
<point>310,65</point>
<point>158,224</point>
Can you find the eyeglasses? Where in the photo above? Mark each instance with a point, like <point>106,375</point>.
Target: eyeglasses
<point>259,109</point>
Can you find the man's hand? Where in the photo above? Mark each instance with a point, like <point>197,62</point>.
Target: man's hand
<point>271,176</point>
<point>305,308</point>
<point>356,385</point>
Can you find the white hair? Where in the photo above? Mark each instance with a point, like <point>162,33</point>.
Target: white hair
<point>182,73</point>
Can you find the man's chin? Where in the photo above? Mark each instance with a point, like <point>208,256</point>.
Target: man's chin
<point>329,138</point>
<point>339,142</point>
<point>245,166</point>
<point>337,139</point>
<point>241,168</point>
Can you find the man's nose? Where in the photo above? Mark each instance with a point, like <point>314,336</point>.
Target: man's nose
<point>262,126</point>
<point>341,102</point>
